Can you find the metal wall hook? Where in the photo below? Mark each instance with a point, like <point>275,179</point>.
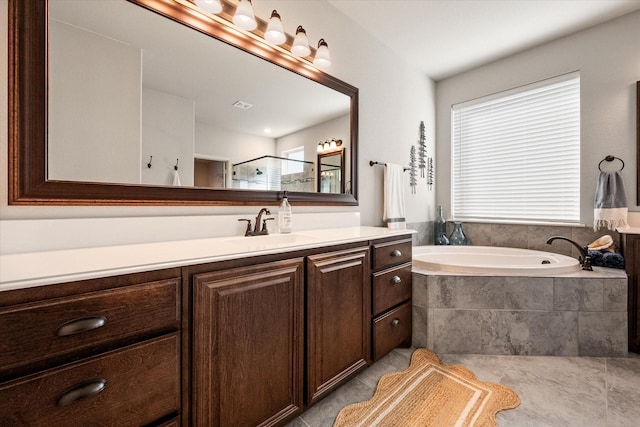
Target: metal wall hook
<point>149,164</point>
<point>176,166</point>
<point>610,158</point>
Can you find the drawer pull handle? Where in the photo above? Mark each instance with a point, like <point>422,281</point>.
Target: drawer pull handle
<point>396,252</point>
<point>396,280</point>
<point>82,391</point>
<point>395,322</point>
<point>84,324</point>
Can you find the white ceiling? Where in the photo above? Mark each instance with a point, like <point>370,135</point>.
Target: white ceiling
<point>445,37</point>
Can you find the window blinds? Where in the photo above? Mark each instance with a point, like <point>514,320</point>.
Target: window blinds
<point>516,155</point>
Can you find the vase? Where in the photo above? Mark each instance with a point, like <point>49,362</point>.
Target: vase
<point>457,236</point>
<point>440,228</point>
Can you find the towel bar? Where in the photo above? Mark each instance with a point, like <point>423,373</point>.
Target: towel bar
<point>371,163</point>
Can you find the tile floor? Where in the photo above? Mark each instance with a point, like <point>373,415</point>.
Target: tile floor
<point>554,391</point>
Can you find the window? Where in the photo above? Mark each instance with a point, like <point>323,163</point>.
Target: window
<point>516,154</point>
<point>289,167</point>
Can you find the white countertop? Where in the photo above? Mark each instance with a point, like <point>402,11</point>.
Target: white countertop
<point>45,268</point>
<point>629,230</point>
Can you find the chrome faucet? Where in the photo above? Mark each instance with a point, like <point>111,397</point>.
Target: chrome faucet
<point>585,259</point>
<point>256,228</point>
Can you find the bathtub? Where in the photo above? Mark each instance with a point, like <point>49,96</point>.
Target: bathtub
<point>483,260</point>
<point>492,300</point>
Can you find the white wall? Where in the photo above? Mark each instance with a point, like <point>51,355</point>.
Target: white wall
<point>219,143</point>
<point>608,58</point>
<point>168,128</point>
<point>394,98</point>
<point>107,153</point>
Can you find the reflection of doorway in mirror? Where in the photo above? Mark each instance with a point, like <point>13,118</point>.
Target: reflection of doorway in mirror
<point>209,173</point>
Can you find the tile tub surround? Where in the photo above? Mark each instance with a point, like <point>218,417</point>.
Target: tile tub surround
<point>578,314</point>
<point>516,235</point>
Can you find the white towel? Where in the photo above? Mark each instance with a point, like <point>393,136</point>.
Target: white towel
<point>394,214</point>
<point>610,207</point>
<point>176,179</point>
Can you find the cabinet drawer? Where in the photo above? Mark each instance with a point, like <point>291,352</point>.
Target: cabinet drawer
<point>133,386</point>
<point>391,287</point>
<point>52,330</point>
<point>391,329</point>
<point>391,253</point>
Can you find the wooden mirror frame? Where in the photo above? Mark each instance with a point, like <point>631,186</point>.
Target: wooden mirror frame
<point>638,143</point>
<point>28,183</point>
<point>319,171</point>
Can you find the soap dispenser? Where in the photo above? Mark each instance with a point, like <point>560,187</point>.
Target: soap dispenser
<point>284,215</point>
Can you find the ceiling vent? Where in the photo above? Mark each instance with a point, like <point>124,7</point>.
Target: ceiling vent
<point>242,105</point>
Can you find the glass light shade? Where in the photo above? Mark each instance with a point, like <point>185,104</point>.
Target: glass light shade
<point>326,145</point>
<point>333,144</point>
<point>275,31</point>
<point>322,58</point>
<point>320,147</point>
<point>244,17</point>
<point>301,43</point>
<point>211,6</point>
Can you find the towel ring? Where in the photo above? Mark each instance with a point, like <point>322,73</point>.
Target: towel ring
<point>610,159</point>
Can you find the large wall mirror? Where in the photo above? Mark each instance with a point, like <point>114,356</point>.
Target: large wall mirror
<point>153,102</point>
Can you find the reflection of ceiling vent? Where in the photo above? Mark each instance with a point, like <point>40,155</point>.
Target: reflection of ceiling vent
<point>242,105</point>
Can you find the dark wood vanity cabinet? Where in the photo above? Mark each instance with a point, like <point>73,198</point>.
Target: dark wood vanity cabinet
<point>391,289</point>
<point>338,312</point>
<point>98,352</point>
<point>631,250</point>
<point>244,342</point>
<point>248,344</point>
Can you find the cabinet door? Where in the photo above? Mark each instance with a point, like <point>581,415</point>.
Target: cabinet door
<point>632,262</point>
<point>248,345</point>
<point>339,313</point>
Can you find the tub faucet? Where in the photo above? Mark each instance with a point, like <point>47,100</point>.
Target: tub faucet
<point>585,259</point>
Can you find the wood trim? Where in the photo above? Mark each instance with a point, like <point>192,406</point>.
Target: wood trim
<point>28,184</point>
<point>638,143</point>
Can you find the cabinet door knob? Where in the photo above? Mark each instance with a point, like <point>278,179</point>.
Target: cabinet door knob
<point>395,322</point>
<point>82,391</point>
<point>396,252</point>
<point>83,324</point>
<point>396,280</point>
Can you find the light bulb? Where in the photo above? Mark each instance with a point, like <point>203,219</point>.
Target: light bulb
<point>244,17</point>
<point>301,43</point>
<point>322,58</point>
<point>275,31</point>
<point>211,6</point>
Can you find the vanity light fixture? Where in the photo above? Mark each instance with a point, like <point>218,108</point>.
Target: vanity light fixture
<point>275,31</point>
<point>211,6</point>
<point>300,43</point>
<point>330,145</point>
<point>322,58</point>
<point>244,17</point>
<point>271,31</point>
